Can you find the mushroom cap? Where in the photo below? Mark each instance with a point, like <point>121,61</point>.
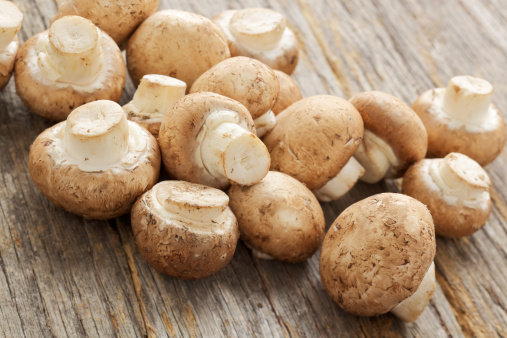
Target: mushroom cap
<point>376,253</point>
<point>177,242</point>
<point>394,122</point>
<point>289,92</point>
<point>55,101</point>
<point>246,80</point>
<point>279,216</point>
<point>483,146</point>
<point>7,58</point>
<point>180,128</point>
<point>175,43</point>
<point>118,19</point>
<point>314,138</point>
<point>452,218</point>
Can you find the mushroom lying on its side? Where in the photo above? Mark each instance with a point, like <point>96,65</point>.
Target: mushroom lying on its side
<point>73,63</point>
<point>262,34</point>
<point>96,163</point>
<point>278,218</point>
<point>289,92</point>
<point>456,191</point>
<point>461,118</point>
<point>185,230</point>
<point>10,24</point>
<point>378,255</point>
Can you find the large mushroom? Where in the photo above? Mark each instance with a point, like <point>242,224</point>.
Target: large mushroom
<point>175,43</point>
<point>378,255</point>
<point>456,191</point>
<point>71,64</point>
<point>96,163</point>
<point>278,218</point>
<point>185,230</point>
<point>262,34</point>
<point>10,24</point>
<point>462,119</point>
<point>289,92</point>
<point>210,139</point>
<point>394,136</point>
<point>247,81</point>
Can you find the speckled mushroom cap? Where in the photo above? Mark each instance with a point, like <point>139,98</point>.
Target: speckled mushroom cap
<point>185,230</point>
<point>289,92</point>
<point>455,190</point>
<point>10,23</point>
<point>175,43</point>
<point>243,79</point>
<point>376,253</point>
<point>396,123</point>
<point>279,216</point>
<point>314,138</point>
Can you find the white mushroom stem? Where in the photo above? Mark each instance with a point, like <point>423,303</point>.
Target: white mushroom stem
<point>376,156</point>
<point>264,123</point>
<point>10,23</point>
<point>259,254</point>
<point>412,307</point>
<point>72,51</point>
<point>97,135</point>
<point>341,183</point>
<point>468,99</point>
<point>257,28</point>
<point>157,94</point>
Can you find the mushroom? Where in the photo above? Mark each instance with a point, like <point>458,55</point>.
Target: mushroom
<point>210,139</point>
<point>153,98</point>
<point>117,18</point>
<point>461,118</point>
<point>394,136</point>
<point>185,230</point>
<point>289,92</point>
<point>10,24</point>
<point>314,139</point>
<point>247,81</point>
<point>456,191</point>
<point>262,34</point>
<point>377,257</point>
<point>73,63</point>
<point>278,218</point>
<point>175,43</point>
<point>96,163</point>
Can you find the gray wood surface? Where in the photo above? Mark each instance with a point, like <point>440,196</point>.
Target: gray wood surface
<point>61,275</point>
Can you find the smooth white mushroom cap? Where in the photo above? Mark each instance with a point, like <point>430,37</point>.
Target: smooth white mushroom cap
<point>10,22</point>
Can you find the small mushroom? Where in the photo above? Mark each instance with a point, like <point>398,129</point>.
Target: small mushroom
<point>10,24</point>
<point>461,118</point>
<point>185,230</point>
<point>210,139</point>
<point>456,191</point>
<point>247,81</point>
<point>262,34</point>
<point>394,136</point>
<point>73,63</point>
<point>175,43</point>
<point>278,218</point>
<point>289,92</point>
<point>154,97</point>
<point>96,163</point>
<point>378,255</point>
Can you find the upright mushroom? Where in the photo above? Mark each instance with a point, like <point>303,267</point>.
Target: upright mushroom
<point>10,24</point>
<point>394,136</point>
<point>262,34</point>
<point>96,163</point>
<point>461,118</point>
<point>247,81</point>
<point>210,139</point>
<point>71,64</point>
<point>289,92</point>
<point>378,255</point>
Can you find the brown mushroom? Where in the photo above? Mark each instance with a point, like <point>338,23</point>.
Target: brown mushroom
<point>10,24</point>
<point>185,230</point>
<point>73,63</point>
<point>462,119</point>
<point>96,163</point>
<point>289,92</point>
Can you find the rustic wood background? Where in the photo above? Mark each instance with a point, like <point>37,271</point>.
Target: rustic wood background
<point>61,275</point>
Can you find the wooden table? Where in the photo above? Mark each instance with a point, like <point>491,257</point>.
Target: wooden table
<point>64,276</point>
